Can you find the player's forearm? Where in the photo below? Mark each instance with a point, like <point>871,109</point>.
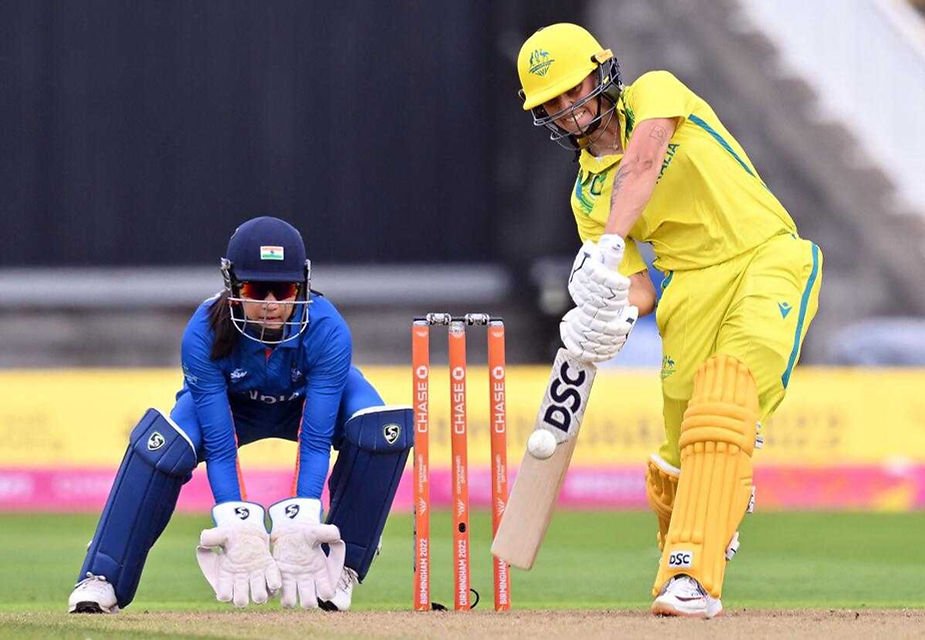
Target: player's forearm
<point>632,189</point>
<point>635,180</point>
<point>223,480</point>
<point>312,470</point>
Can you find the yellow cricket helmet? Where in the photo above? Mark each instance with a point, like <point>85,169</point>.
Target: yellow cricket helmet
<point>558,58</point>
<point>555,59</point>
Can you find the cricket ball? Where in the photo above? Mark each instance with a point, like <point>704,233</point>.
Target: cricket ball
<point>541,444</point>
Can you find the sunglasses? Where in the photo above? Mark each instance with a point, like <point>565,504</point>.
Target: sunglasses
<point>260,290</point>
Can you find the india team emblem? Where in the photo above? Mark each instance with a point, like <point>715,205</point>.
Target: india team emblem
<point>272,252</point>
<point>391,432</point>
<point>156,441</point>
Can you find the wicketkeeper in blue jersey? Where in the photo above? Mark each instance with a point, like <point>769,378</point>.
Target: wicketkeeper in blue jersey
<point>265,358</point>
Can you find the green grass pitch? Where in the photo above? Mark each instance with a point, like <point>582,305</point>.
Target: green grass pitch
<point>590,560</point>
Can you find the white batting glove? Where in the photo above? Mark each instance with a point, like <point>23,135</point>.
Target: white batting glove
<point>235,555</point>
<point>599,287</point>
<point>593,340</point>
<point>608,250</point>
<point>594,280</point>
<point>611,247</point>
<point>297,534</point>
<point>602,320</point>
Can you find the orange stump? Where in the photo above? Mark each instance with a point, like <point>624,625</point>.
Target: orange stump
<point>498,424</point>
<point>420,357</point>
<point>460,468</point>
<point>420,360</point>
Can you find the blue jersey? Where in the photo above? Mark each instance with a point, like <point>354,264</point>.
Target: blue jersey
<point>267,386</point>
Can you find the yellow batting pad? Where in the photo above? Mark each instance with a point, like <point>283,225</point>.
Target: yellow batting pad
<point>717,441</point>
<point>661,487</point>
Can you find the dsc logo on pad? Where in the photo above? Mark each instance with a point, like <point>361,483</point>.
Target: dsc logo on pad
<point>681,560</point>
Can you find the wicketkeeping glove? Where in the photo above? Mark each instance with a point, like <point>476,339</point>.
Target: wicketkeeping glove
<point>235,555</point>
<point>308,574</point>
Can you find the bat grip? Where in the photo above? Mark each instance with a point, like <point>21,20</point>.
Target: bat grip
<point>611,252</point>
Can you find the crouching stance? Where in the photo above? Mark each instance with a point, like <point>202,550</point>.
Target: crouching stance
<point>266,358</point>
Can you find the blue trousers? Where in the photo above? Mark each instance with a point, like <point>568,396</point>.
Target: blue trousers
<point>254,420</point>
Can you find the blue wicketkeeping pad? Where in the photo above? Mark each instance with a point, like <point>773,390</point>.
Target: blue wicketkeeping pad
<point>160,458</point>
<point>365,478</point>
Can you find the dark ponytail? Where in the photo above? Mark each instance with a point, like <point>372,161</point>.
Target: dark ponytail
<point>225,333</point>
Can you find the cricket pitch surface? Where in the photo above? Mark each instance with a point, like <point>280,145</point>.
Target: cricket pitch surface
<point>301,625</point>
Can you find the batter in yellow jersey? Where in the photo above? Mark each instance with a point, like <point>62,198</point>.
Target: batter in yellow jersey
<point>709,204</point>
<point>656,165</point>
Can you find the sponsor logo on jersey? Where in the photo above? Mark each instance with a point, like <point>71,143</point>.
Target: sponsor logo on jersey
<point>785,308</point>
<point>254,394</point>
<point>295,375</point>
<point>189,377</point>
<point>237,374</point>
<point>540,62</point>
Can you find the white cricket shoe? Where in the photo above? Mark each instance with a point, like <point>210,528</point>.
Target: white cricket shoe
<point>93,594</point>
<point>683,596</point>
<point>343,596</point>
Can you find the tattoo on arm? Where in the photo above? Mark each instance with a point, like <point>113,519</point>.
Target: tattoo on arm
<point>658,133</point>
<point>618,181</point>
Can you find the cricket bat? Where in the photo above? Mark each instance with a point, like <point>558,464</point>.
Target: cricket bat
<point>536,488</point>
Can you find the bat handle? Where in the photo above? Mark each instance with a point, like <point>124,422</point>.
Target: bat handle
<point>611,247</point>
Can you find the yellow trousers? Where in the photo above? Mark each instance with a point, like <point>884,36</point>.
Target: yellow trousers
<point>755,307</point>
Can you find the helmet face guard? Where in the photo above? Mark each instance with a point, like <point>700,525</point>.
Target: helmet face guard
<point>290,329</point>
<point>607,91</point>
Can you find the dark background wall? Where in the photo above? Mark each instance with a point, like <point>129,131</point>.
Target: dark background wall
<point>140,133</point>
<point>143,132</point>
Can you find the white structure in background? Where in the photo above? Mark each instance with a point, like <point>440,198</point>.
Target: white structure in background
<point>866,61</point>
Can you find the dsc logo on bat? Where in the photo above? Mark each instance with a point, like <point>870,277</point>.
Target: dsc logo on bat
<point>567,392</point>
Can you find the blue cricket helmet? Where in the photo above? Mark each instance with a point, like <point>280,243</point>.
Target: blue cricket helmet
<point>267,249</point>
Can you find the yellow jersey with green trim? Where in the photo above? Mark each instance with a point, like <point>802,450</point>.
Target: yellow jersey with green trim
<point>709,204</point>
